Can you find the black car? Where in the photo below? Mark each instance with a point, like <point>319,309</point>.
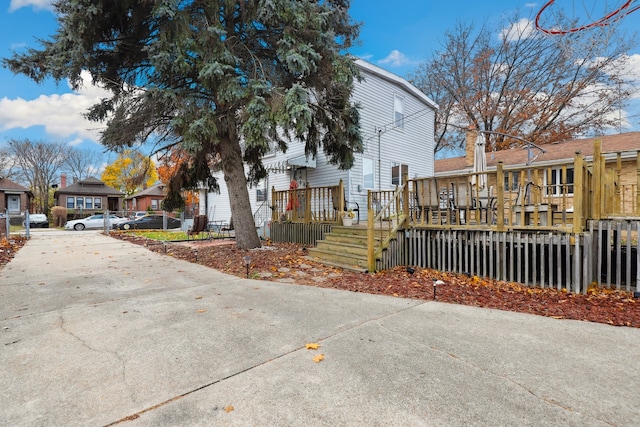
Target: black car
<point>38,221</point>
<point>148,222</point>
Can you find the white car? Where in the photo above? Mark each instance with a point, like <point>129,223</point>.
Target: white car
<point>93,221</point>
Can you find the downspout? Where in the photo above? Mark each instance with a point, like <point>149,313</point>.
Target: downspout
<point>379,161</point>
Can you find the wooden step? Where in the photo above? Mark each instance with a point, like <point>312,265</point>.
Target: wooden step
<point>345,261</point>
<point>343,248</point>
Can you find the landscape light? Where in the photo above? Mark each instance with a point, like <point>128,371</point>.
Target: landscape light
<point>247,263</point>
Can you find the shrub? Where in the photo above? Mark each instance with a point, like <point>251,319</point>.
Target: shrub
<point>59,215</point>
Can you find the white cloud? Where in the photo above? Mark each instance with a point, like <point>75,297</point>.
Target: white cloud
<point>522,29</point>
<point>396,59</point>
<point>36,4</point>
<point>60,114</point>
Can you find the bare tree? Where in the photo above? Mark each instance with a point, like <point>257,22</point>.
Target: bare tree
<point>7,164</point>
<point>83,163</point>
<point>39,164</point>
<point>516,81</point>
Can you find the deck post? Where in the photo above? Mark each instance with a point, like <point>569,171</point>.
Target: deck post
<point>307,204</point>
<point>274,213</point>
<point>500,196</point>
<point>637,212</point>
<point>371,258</point>
<point>597,180</point>
<point>578,192</point>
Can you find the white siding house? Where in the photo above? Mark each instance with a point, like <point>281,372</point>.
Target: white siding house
<point>397,125</point>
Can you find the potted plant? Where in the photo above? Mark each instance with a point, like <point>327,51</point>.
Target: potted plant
<point>347,218</point>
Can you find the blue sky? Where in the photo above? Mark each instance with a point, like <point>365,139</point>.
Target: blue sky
<point>396,36</point>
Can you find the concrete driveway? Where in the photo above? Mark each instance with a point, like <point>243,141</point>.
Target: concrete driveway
<point>97,331</point>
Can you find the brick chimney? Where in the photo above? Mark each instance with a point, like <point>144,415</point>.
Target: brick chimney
<point>63,180</point>
<point>470,142</point>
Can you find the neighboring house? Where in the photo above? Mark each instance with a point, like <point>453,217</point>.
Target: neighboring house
<point>396,122</point>
<point>553,157</point>
<point>88,196</point>
<point>14,198</point>
<point>149,198</point>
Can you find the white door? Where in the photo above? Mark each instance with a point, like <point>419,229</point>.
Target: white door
<point>13,203</point>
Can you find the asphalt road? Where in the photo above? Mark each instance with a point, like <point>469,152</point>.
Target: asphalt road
<point>97,331</point>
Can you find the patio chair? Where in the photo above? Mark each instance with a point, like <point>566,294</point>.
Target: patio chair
<point>428,200</point>
<point>227,228</point>
<point>199,226</point>
<point>460,202</point>
<point>353,206</point>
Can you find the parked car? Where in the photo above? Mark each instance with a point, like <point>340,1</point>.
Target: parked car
<point>136,215</point>
<point>93,221</point>
<point>148,222</point>
<point>37,221</point>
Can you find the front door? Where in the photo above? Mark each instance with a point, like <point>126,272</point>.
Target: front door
<point>13,204</point>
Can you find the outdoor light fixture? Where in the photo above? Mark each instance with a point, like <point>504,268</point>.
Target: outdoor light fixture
<point>247,263</point>
<point>436,282</point>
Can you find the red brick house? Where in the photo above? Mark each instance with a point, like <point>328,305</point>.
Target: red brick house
<point>148,199</point>
<point>14,198</point>
<point>88,196</point>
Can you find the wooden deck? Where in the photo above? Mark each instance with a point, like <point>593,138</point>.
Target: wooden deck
<point>542,210</point>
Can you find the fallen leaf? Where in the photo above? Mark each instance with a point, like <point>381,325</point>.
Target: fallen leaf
<point>319,358</point>
<point>312,346</point>
<point>199,297</point>
<point>201,310</point>
<point>229,408</point>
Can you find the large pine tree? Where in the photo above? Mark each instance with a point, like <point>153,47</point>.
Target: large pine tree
<point>224,79</point>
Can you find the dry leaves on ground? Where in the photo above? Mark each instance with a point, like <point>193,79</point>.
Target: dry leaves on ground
<point>285,262</point>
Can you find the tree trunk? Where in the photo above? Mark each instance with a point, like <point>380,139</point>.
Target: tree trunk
<point>234,176</point>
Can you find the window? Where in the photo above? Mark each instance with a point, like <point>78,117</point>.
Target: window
<point>261,191</point>
<point>80,202</point>
<point>558,186</point>
<point>154,205</point>
<point>71,202</point>
<point>511,180</point>
<point>398,111</point>
<point>97,202</point>
<point>397,172</point>
<point>89,203</point>
<point>368,174</point>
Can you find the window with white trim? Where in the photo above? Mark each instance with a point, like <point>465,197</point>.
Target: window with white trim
<point>97,202</point>
<point>88,203</point>
<point>80,202</point>
<point>71,202</point>
<point>398,111</point>
<point>398,170</point>
<point>559,185</point>
<point>368,174</point>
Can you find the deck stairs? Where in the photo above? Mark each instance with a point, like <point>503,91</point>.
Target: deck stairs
<point>345,247</point>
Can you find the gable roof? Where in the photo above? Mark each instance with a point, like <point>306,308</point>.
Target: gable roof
<point>90,186</point>
<point>155,190</point>
<point>8,185</point>
<point>554,153</point>
<point>397,80</point>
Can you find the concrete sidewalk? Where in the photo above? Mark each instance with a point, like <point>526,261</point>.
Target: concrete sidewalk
<point>97,331</point>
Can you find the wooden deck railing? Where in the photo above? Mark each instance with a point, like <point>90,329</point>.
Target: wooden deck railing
<point>536,197</point>
<point>309,204</point>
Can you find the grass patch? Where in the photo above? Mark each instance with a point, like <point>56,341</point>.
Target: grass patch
<point>162,236</point>
<point>166,236</point>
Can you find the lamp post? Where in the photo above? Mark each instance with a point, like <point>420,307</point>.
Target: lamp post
<point>247,262</point>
